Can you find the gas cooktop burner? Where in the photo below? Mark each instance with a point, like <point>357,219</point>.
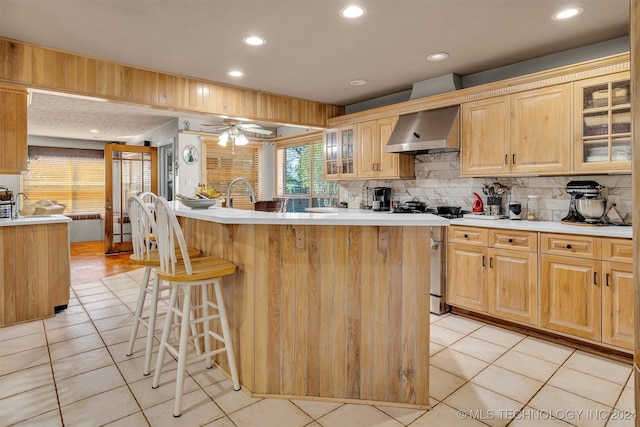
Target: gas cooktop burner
<point>404,210</point>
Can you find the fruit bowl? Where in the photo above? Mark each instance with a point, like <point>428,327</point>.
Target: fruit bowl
<point>197,203</point>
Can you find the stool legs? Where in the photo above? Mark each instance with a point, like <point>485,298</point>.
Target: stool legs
<point>187,321</point>
<point>226,334</point>
<point>144,288</point>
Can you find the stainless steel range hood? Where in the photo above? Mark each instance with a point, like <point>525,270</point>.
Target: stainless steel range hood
<point>432,131</point>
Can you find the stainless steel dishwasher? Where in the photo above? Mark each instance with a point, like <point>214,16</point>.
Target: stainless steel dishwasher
<point>438,270</point>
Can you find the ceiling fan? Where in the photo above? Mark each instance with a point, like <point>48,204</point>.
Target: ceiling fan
<point>232,129</point>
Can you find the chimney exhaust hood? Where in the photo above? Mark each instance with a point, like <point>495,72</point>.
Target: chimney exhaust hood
<point>431,131</point>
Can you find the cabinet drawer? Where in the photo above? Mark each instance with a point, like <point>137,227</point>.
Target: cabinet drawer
<point>571,245</point>
<point>617,250</point>
<point>469,235</point>
<point>511,239</point>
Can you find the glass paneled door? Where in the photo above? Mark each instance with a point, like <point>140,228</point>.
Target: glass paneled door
<point>129,169</point>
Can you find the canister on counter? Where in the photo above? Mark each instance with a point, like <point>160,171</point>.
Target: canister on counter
<point>533,208</point>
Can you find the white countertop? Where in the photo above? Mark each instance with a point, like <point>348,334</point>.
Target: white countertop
<point>549,227</point>
<point>341,216</point>
<point>34,220</point>
<point>330,216</point>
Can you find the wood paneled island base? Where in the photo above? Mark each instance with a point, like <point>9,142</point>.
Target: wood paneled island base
<point>325,312</point>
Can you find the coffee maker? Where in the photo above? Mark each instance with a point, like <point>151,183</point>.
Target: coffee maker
<point>382,199</point>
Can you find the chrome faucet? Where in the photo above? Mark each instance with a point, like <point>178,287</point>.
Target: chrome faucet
<point>252,194</point>
<point>16,214</point>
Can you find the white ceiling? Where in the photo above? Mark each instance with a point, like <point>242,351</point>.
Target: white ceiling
<point>310,53</point>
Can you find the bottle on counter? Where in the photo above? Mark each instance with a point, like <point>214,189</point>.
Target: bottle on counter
<point>533,208</point>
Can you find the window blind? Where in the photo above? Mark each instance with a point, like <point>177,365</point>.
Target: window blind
<point>72,177</point>
<point>223,166</point>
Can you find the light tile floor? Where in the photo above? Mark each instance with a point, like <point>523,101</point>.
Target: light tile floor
<point>72,370</point>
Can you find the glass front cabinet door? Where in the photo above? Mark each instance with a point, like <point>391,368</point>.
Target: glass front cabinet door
<point>603,124</point>
<point>339,153</point>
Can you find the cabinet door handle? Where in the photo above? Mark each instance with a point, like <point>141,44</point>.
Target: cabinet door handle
<point>513,159</point>
<point>490,262</point>
<point>506,159</point>
<point>607,279</point>
<point>569,246</point>
<point>595,277</point>
<point>483,261</point>
<point>510,240</point>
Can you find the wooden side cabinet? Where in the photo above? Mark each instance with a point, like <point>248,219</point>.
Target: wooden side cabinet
<point>570,284</point>
<point>373,161</point>
<point>466,268</point>
<point>35,272</point>
<point>513,276</point>
<point>617,292</point>
<point>13,129</point>
<point>339,153</point>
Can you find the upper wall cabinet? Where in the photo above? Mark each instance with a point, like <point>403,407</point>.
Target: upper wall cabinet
<point>526,133</point>
<point>373,161</point>
<point>13,129</point>
<point>603,124</point>
<point>339,153</point>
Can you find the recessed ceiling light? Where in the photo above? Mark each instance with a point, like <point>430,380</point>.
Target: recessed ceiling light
<point>353,11</point>
<point>358,82</point>
<point>254,41</point>
<point>94,131</point>
<point>235,73</point>
<point>438,56</point>
<point>567,13</point>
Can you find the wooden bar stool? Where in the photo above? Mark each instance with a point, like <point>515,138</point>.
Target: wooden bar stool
<point>187,274</point>
<point>145,254</point>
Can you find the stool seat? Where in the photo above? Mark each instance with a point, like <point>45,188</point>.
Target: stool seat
<point>203,268</point>
<point>152,258</point>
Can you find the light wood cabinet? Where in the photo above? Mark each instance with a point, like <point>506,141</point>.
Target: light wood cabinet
<point>466,276</point>
<point>617,293</point>
<point>602,124</point>
<point>499,279</point>
<point>373,161</point>
<point>35,272</point>
<point>541,130</point>
<point>339,153</point>
<point>513,276</point>
<point>13,129</point>
<point>485,143</point>
<point>570,295</point>
<point>519,134</point>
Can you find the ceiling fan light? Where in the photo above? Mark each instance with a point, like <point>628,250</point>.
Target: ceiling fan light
<point>241,140</point>
<point>223,138</point>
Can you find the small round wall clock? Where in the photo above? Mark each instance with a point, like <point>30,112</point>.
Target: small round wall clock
<point>190,154</point>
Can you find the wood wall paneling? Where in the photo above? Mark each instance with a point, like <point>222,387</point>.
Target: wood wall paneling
<point>340,319</point>
<point>44,68</point>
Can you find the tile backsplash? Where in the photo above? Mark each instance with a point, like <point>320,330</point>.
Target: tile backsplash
<point>438,183</point>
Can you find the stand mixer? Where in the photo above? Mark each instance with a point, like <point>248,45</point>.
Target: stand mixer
<point>578,190</point>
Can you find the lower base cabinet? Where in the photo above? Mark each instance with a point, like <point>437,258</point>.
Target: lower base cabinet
<point>570,295</point>
<point>580,286</point>
<point>617,304</point>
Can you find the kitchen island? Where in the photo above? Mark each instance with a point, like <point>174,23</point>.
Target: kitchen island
<point>328,306</point>
<point>35,267</point>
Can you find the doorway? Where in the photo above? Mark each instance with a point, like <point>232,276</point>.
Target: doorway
<point>129,170</point>
<point>166,169</point>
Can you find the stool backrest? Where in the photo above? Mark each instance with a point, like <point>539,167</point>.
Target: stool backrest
<point>147,197</point>
<point>169,237</point>
<point>143,226</point>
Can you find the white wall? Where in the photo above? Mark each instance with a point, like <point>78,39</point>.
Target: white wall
<point>188,176</point>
